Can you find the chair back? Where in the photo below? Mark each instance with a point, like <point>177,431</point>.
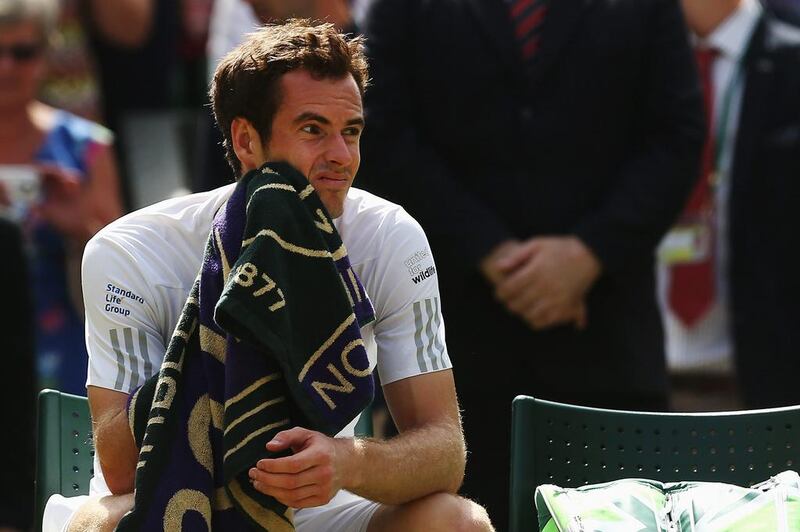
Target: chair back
<point>64,447</point>
<point>570,446</point>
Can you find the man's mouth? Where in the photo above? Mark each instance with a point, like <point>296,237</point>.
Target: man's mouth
<point>332,179</point>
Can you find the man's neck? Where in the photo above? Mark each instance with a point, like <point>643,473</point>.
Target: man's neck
<point>704,16</point>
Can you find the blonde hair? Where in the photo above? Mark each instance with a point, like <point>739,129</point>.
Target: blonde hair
<point>43,13</point>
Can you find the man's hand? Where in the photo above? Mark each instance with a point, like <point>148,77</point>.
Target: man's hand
<point>311,476</point>
<point>490,265</point>
<point>545,279</point>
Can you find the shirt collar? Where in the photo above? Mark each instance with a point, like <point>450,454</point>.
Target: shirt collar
<point>731,37</point>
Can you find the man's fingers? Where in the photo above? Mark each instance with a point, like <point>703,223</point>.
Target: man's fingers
<point>293,464</point>
<point>545,315</point>
<point>539,315</point>
<point>289,497</point>
<point>523,301</point>
<point>518,256</point>
<point>293,438</point>
<point>301,490</point>
<point>523,279</point>
<point>289,481</point>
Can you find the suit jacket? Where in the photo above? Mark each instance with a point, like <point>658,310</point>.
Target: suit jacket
<point>18,390</point>
<point>765,191</point>
<point>600,139</point>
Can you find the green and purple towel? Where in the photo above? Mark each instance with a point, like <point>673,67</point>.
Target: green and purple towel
<point>269,339</point>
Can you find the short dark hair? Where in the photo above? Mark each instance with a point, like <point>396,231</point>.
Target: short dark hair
<point>246,82</point>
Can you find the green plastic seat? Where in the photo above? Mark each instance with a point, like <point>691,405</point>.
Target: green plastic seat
<point>364,427</point>
<point>64,448</point>
<point>570,446</point>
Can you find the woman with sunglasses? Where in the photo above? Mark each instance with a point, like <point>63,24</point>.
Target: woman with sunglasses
<point>58,179</point>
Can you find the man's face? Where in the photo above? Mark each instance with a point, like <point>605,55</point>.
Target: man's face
<point>317,129</point>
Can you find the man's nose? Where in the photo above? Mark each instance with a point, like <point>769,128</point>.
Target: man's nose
<point>338,151</point>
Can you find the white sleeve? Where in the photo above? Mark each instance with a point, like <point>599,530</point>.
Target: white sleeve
<point>123,334</point>
<point>409,329</point>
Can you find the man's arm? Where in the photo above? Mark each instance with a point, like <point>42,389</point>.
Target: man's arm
<point>428,456</point>
<point>113,439</point>
<point>123,340</point>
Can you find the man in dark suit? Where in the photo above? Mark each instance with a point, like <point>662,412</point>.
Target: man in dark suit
<point>751,309</point>
<point>545,148</point>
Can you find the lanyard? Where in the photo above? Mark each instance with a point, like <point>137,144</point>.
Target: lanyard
<point>722,129</point>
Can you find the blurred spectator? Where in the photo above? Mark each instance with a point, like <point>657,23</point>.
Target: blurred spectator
<point>17,393</point>
<point>72,163</point>
<point>545,147</point>
<point>70,82</point>
<point>73,79</point>
<point>728,279</point>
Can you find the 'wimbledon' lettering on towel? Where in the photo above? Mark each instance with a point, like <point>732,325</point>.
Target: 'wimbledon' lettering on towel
<point>333,378</point>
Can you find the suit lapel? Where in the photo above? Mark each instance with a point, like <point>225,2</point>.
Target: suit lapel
<point>559,27</point>
<point>492,20</point>
<point>759,66</point>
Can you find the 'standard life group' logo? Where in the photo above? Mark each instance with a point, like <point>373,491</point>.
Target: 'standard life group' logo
<point>416,269</point>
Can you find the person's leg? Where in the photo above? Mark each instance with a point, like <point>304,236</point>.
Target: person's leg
<point>434,513</point>
<point>101,514</point>
<point>348,512</point>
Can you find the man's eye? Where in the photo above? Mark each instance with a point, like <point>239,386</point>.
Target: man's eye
<point>352,131</point>
<point>311,129</point>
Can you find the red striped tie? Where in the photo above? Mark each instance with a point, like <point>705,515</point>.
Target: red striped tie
<point>527,17</point>
<point>692,287</point>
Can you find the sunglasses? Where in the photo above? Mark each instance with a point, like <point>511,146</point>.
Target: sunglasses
<point>21,52</point>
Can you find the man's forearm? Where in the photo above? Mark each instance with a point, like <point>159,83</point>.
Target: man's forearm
<point>411,465</point>
<point>115,446</point>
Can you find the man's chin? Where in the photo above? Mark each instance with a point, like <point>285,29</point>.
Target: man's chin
<point>334,206</point>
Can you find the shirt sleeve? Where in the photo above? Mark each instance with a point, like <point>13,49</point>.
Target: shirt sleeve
<point>409,330</point>
<point>124,337</point>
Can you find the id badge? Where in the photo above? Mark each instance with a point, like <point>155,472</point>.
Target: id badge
<point>686,243</point>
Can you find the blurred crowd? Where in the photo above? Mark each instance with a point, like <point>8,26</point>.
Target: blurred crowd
<point>607,187</point>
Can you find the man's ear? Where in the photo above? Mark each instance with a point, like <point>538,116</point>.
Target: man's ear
<point>247,144</point>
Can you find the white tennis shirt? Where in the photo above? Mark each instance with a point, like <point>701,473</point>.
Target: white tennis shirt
<point>137,273</point>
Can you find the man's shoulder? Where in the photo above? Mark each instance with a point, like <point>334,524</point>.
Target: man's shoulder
<point>165,219</point>
<point>376,219</point>
<point>173,231</point>
<point>368,208</point>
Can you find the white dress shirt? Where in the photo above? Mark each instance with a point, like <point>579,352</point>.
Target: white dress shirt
<point>707,345</point>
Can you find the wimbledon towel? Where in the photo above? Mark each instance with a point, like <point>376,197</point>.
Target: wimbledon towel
<point>268,339</point>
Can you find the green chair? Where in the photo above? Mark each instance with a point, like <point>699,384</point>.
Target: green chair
<point>64,448</point>
<point>568,445</point>
<point>364,427</point>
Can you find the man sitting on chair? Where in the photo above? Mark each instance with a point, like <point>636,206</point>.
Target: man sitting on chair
<point>290,93</point>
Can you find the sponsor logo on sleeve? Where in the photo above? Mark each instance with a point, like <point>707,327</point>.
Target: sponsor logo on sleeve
<point>419,266</point>
<point>118,299</point>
